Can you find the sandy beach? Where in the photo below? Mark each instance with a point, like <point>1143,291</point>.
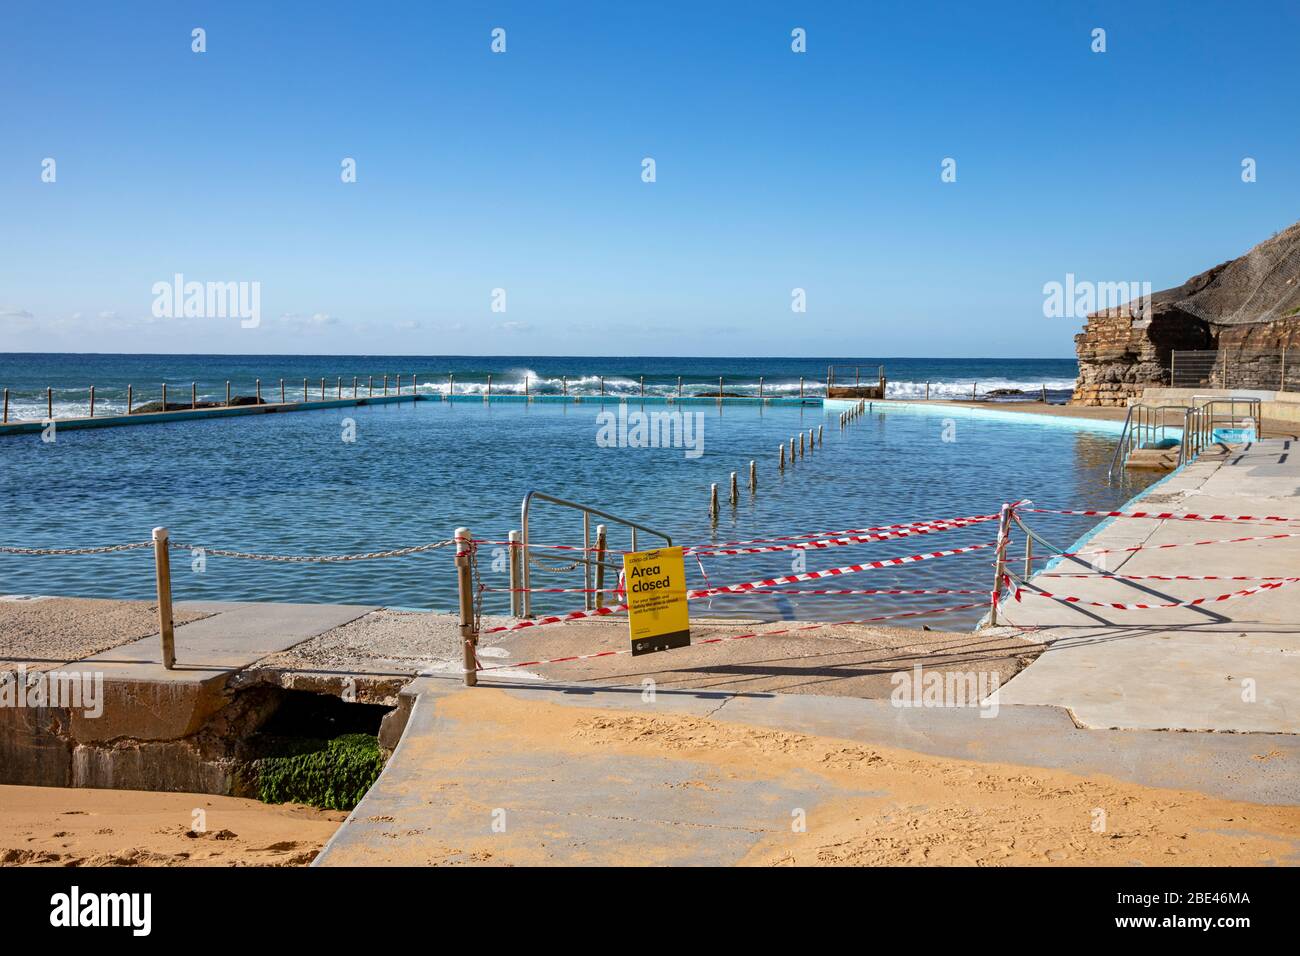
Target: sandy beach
<point>56,826</point>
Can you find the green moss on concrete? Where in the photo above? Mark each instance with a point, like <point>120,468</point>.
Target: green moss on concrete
<point>332,774</point>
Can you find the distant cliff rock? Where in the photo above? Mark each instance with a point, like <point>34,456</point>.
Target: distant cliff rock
<point>1251,303</point>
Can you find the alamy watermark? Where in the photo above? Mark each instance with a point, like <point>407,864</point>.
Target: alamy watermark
<point>179,299</point>
<point>74,690</point>
<point>667,429</point>
<point>934,688</point>
<point>1077,299</point>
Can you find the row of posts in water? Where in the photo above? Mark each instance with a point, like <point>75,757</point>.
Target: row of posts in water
<point>339,389</point>
<point>807,442</point>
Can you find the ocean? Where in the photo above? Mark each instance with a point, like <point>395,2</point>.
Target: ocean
<point>70,375</point>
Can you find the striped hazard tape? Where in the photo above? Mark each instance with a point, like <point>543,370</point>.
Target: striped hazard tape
<point>1194,602</point>
<point>1156,515</point>
<point>740,637</point>
<point>748,586</point>
<point>833,542</point>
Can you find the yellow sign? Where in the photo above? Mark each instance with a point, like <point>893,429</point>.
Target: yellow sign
<point>656,600</point>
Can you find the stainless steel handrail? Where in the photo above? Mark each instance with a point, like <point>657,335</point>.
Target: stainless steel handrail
<point>1142,424</point>
<point>585,560</point>
<point>1199,422</point>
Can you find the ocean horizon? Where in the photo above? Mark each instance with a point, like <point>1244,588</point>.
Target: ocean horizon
<point>70,375</point>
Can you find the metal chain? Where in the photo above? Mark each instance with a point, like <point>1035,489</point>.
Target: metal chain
<point>107,549</point>
<point>312,558</point>
<point>537,562</point>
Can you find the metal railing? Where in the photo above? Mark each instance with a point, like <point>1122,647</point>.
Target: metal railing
<point>1234,368</point>
<point>850,376</point>
<point>1202,422</point>
<point>1142,425</point>
<point>591,566</point>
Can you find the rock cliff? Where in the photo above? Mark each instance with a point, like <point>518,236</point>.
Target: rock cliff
<point>1246,306</point>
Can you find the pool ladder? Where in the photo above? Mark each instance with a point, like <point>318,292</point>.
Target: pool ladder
<point>1142,425</point>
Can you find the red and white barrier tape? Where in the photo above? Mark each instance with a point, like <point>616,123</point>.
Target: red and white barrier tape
<point>1194,602</point>
<point>1162,547</point>
<point>1163,577</point>
<point>971,519</point>
<point>749,586</point>
<point>742,637</point>
<point>1157,515</point>
<point>831,542</point>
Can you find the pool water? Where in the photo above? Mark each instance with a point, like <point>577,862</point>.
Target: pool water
<point>293,483</point>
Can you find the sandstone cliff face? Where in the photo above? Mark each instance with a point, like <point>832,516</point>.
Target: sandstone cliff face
<point>1247,305</point>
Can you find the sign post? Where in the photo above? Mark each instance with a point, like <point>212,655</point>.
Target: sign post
<point>656,600</point>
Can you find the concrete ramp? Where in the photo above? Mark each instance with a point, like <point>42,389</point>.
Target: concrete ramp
<point>578,775</point>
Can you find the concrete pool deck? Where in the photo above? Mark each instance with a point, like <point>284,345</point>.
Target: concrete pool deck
<point>1224,666</point>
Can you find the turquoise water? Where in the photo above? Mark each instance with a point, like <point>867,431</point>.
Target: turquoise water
<point>292,484</point>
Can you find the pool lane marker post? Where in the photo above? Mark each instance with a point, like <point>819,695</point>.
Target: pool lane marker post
<point>451,384</point>
<point>465,586</point>
<point>735,491</point>
<point>6,412</point>
<point>227,394</point>
<point>801,386</point>
<point>49,403</point>
<point>194,396</point>
<point>163,572</point>
<point>821,436</point>
<point>753,476</point>
<point>781,466</point>
<point>282,392</point>
<point>713,502</point>
<point>92,401</point>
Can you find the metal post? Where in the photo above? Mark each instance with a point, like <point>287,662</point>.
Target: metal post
<point>927,391</point>
<point>801,386</point>
<point>415,386</point>
<point>282,395</point>
<point>338,387</point>
<point>92,401</point>
<point>760,386</point>
<point>372,385</point>
<point>1044,393</point>
<point>564,385</point>
<point>600,565</point>
<point>489,388</point>
<point>304,390</point>
<point>525,386</point>
<point>385,384</point>
<point>6,412</point>
<point>163,573</point>
<point>719,388</point>
<point>643,386</point>
<point>257,392</point>
<point>465,585</point>
<point>194,395</point>
<point>354,386</point>
<point>1004,533</point>
<point>128,399</point>
<point>973,386</point>
<point>679,386</point>
<point>515,585</point>
<point>451,384</point>
<point>164,402</point>
<point>322,390</point>
<point>753,476</point>
<point>49,402</point>
<point>227,394</point>
<point>1029,557</point>
<point>602,386</point>
<point>821,435</point>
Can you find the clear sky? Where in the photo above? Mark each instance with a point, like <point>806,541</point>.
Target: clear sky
<point>523,171</point>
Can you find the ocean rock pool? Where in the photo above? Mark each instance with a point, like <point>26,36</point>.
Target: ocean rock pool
<point>374,478</point>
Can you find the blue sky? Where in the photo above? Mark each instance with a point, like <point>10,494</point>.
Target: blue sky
<point>522,171</point>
